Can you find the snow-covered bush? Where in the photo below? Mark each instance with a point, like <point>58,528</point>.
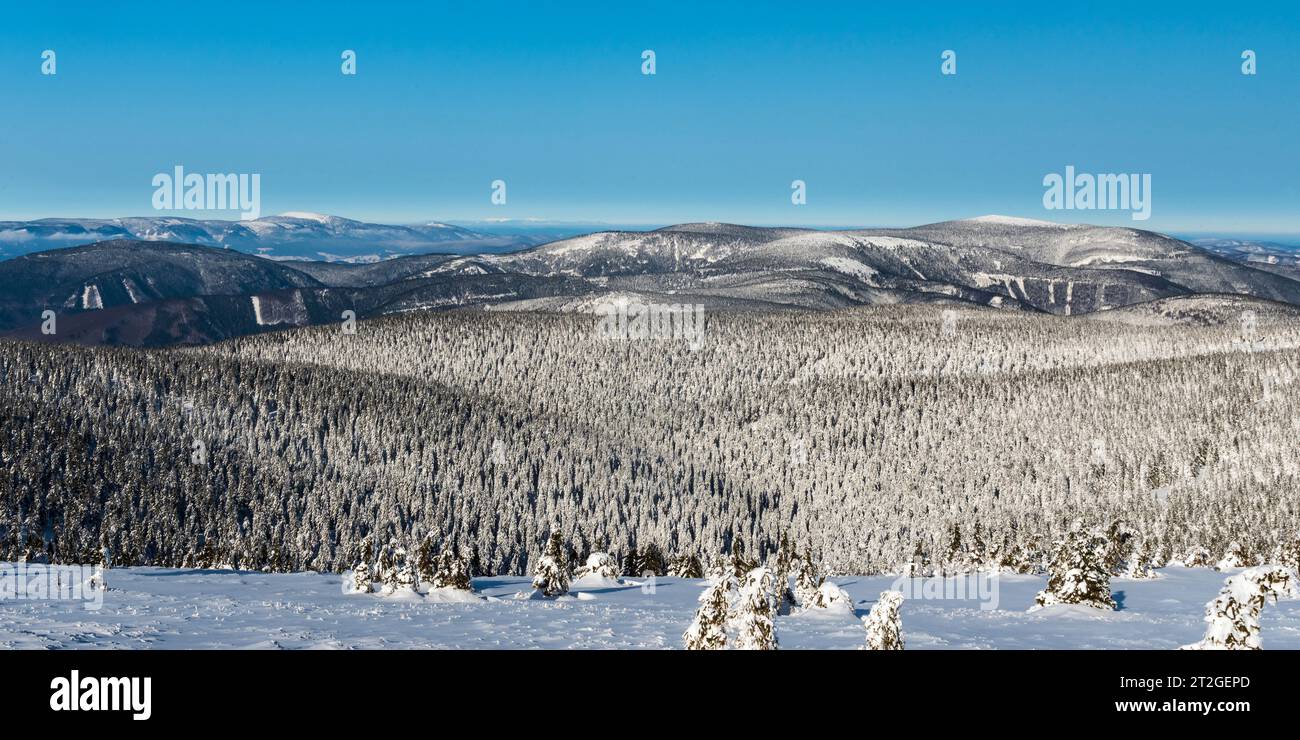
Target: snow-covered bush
<point>883,623</point>
<point>755,612</point>
<point>601,565</point>
<point>1076,574</point>
<point>708,631</point>
<point>1233,617</point>
<point>551,576</point>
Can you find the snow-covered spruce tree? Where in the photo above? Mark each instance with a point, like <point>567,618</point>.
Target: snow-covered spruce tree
<point>953,555</point>
<point>883,623</point>
<point>1234,557</point>
<point>551,577</point>
<point>1196,557</point>
<point>651,561</point>
<point>973,560</point>
<point>401,573</point>
<point>1141,564</point>
<point>1287,554</point>
<point>1076,575</point>
<point>685,565</point>
<point>708,631</point>
<point>362,582</point>
<point>917,565</point>
<point>720,567</point>
<point>599,564</point>
<point>1117,547</point>
<point>756,612</point>
<point>452,571</point>
<point>1233,617</point>
<point>740,564</point>
<point>426,560</point>
<point>632,562</point>
<point>99,581</point>
<point>808,583</point>
<point>781,575</point>
<point>362,575</point>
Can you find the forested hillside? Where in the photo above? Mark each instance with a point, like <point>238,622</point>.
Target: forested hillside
<point>873,436</point>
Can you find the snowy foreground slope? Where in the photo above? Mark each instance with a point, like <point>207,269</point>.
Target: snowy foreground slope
<point>174,608</point>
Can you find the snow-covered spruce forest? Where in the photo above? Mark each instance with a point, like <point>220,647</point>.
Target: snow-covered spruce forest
<point>873,437</point>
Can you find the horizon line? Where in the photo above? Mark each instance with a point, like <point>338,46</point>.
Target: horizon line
<point>639,224</point>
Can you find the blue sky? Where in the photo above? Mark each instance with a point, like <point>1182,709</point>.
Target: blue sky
<point>747,97</point>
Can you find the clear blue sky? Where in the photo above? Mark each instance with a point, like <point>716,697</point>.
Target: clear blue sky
<point>748,96</point>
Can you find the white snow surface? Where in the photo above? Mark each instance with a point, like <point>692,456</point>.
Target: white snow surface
<point>90,299</point>
<point>180,608</point>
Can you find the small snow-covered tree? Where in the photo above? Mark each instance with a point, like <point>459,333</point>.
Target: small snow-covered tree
<point>99,579</point>
<point>685,565</point>
<point>1116,547</point>
<point>426,560</point>
<point>1233,617</point>
<point>631,562</point>
<point>708,631</point>
<point>400,575</point>
<point>883,623</point>
<point>650,561</point>
<point>551,577</point>
<point>917,566</point>
<point>1196,557</point>
<point>740,564</point>
<point>1287,554</point>
<point>721,567</point>
<point>781,576</point>
<point>362,582</point>
<point>1234,557</point>
<point>953,556</point>
<point>362,575</point>
<point>599,564</point>
<point>1076,574</point>
<point>452,571</point>
<point>756,611</point>
<point>975,556</point>
<point>808,583</point>
<point>1141,563</point>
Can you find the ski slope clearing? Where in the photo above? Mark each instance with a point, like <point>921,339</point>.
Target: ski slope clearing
<point>179,608</point>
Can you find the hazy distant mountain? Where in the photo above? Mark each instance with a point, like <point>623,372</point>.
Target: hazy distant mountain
<point>1270,256</point>
<point>289,235</point>
<point>153,292</point>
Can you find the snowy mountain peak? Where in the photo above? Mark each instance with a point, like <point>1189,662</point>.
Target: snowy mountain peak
<point>994,218</point>
<point>309,216</point>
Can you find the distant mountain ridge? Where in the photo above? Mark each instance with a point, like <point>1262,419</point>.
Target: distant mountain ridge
<point>292,235</point>
<point>158,292</point>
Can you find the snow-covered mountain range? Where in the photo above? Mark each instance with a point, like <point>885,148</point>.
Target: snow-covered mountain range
<point>167,283</point>
<point>295,234</point>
